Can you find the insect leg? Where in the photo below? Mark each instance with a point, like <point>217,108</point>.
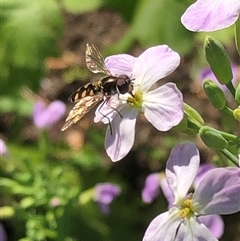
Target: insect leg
<point>109,123</point>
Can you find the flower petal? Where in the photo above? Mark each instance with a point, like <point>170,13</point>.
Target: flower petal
<point>202,170</point>
<point>181,169</point>
<point>105,112</point>
<point>214,223</point>
<point>163,227</point>
<point>151,188</point>
<point>211,15</point>
<point>45,116</point>
<point>119,143</point>
<point>193,230</point>
<point>153,64</point>
<point>3,149</point>
<point>218,192</point>
<point>163,107</point>
<point>120,64</point>
<point>166,190</point>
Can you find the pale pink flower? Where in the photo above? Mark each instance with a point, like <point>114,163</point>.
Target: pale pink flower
<point>211,15</point>
<point>217,193</point>
<point>162,107</point>
<point>45,116</point>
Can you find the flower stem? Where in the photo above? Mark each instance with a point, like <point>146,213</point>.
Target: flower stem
<point>231,88</point>
<point>230,156</point>
<point>228,110</point>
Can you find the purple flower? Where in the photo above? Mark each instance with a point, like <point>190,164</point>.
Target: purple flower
<point>151,188</point>
<point>211,15</point>
<point>46,116</point>
<point>3,149</point>
<point>3,235</point>
<point>105,193</point>
<point>217,193</point>
<point>162,107</point>
<point>207,73</point>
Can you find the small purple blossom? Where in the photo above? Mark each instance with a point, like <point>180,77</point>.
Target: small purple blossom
<point>162,107</point>
<point>105,193</point>
<point>151,188</point>
<point>217,193</point>
<point>3,235</point>
<point>3,149</point>
<point>207,73</point>
<point>46,116</point>
<point>211,15</point>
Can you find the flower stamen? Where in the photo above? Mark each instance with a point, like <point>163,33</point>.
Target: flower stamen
<point>135,99</point>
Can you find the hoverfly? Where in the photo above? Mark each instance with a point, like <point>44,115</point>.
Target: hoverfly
<point>90,94</point>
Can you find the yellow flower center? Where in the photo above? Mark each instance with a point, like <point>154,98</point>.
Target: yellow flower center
<point>186,209</point>
<point>135,99</point>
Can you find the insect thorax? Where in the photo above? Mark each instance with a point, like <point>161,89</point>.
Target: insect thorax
<point>108,85</point>
<point>112,85</point>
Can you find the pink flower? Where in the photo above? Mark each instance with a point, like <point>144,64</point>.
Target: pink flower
<point>217,193</point>
<point>151,188</point>
<point>162,107</point>
<point>105,193</point>
<point>156,180</point>
<point>46,116</point>
<point>3,149</point>
<point>211,15</point>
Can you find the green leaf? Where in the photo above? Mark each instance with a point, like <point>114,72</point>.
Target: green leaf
<point>78,6</point>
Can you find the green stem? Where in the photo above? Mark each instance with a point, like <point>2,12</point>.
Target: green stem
<point>44,143</point>
<point>231,88</point>
<point>229,136</point>
<point>230,156</point>
<point>228,110</point>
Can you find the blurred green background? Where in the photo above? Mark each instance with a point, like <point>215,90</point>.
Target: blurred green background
<point>43,57</point>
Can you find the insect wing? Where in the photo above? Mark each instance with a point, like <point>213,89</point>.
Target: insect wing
<point>82,107</point>
<point>95,61</point>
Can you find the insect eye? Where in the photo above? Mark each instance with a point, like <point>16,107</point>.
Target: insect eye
<point>123,84</point>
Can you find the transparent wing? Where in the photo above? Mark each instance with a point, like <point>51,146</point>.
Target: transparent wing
<point>82,107</point>
<point>95,61</point>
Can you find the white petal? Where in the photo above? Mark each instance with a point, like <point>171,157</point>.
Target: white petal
<point>218,192</point>
<point>119,143</point>
<point>107,110</point>
<point>154,64</point>
<point>163,107</point>
<point>120,64</point>
<point>193,230</point>
<point>163,227</point>
<point>181,169</point>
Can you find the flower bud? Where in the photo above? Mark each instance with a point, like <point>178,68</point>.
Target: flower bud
<point>215,94</point>
<point>237,94</point>
<point>218,60</point>
<point>236,114</point>
<point>193,115</point>
<point>212,138</point>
